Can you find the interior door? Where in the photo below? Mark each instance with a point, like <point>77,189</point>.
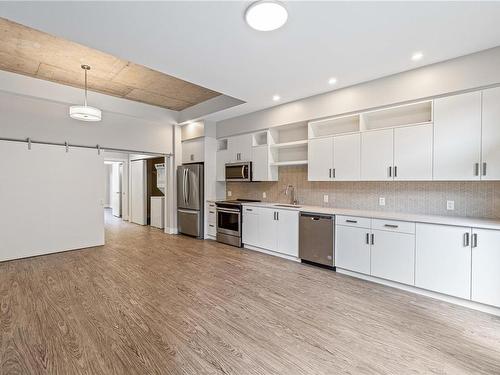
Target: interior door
<point>320,159</point>
<point>457,137</point>
<point>413,153</point>
<point>116,189</point>
<point>377,155</point>
<point>138,213</point>
<point>347,157</point>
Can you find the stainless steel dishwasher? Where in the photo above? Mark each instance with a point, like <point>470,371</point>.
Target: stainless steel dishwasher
<point>316,238</point>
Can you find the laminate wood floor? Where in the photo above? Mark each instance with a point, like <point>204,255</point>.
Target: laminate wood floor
<point>150,303</point>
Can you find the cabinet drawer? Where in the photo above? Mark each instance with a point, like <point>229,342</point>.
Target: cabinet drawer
<point>212,217</point>
<point>394,226</point>
<point>211,230</point>
<point>353,221</point>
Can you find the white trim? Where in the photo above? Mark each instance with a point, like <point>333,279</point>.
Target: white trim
<point>442,297</point>
<point>269,252</point>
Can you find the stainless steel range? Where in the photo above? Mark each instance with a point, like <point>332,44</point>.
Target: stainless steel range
<point>229,217</point>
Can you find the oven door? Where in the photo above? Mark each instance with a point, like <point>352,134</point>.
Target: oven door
<point>239,172</point>
<point>229,221</point>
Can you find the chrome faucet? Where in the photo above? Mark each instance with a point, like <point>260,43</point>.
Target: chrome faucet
<point>293,198</point>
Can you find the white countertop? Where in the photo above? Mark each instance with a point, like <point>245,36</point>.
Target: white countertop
<point>432,219</point>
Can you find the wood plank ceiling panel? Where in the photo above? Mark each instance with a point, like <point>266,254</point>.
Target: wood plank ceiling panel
<point>37,54</point>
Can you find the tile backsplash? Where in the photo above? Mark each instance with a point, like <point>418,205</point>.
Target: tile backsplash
<point>472,198</point>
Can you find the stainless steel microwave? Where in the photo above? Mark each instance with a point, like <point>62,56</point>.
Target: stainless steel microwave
<point>239,171</point>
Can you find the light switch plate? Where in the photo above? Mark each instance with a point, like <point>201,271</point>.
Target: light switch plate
<point>381,201</point>
<point>229,193</point>
<point>325,198</point>
<point>450,205</point>
<point>264,195</point>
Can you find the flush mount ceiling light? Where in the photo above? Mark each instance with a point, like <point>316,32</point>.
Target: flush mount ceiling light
<point>84,112</point>
<point>266,15</point>
<point>417,56</point>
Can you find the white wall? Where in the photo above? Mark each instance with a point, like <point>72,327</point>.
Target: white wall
<point>38,109</point>
<point>464,73</point>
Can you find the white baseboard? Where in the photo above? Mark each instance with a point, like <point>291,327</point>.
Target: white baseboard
<point>442,297</point>
<point>171,230</point>
<point>260,250</point>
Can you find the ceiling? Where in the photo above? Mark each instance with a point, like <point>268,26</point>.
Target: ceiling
<point>34,53</point>
<point>208,43</point>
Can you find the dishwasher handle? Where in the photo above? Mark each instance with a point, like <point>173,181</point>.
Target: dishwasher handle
<point>316,217</point>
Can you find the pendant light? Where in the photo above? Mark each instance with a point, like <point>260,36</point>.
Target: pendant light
<point>84,112</point>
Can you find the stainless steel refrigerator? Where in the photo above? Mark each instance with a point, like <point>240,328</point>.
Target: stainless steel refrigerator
<point>190,199</point>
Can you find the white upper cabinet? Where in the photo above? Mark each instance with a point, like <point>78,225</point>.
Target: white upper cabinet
<point>221,164</point>
<point>193,150</point>
<point>413,153</point>
<point>320,159</point>
<point>347,157</point>
<point>443,259</point>
<point>490,166</point>
<point>260,163</point>
<point>240,148</point>
<point>377,155</point>
<point>457,137</point>
<point>486,266</point>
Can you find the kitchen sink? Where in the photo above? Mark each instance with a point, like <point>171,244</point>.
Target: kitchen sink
<point>287,205</point>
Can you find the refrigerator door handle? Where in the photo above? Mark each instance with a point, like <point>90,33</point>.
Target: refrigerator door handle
<point>187,186</point>
<point>184,193</point>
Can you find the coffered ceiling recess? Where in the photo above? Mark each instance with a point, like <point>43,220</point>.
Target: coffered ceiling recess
<point>34,53</point>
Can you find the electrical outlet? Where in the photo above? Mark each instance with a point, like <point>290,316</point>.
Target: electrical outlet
<point>450,205</point>
<point>264,195</point>
<point>381,201</point>
<point>325,198</point>
<point>229,193</point>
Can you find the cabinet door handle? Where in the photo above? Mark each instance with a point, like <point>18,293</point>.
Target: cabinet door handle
<point>329,172</point>
<point>333,172</point>
<point>351,221</point>
<point>466,239</point>
<point>395,171</point>
<point>474,240</point>
<point>390,171</point>
<point>391,226</point>
<point>484,168</point>
<point>476,169</point>
<point>367,238</point>
<point>277,215</point>
<point>249,209</point>
<point>373,239</point>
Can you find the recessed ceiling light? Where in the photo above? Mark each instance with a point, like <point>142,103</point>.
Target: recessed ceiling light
<point>276,98</point>
<point>417,56</point>
<point>332,81</point>
<point>266,15</point>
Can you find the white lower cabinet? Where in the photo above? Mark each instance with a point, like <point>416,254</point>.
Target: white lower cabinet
<point>271,229</point>
<point>288,232</point>
<point>393,256</point>
<point>443,259</point>
<point>486,266</point>
<point>352,248</point>
<point>250,227</point>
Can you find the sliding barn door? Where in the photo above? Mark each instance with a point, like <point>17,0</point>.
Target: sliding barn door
<point>51,200</point>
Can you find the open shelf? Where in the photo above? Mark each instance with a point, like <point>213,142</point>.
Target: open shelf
<point>260,138</point>
<point>403,115</point>
<point>293,144</point>
<point>291,162</point>
<point>221,144</point>
<point>334,126</point>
